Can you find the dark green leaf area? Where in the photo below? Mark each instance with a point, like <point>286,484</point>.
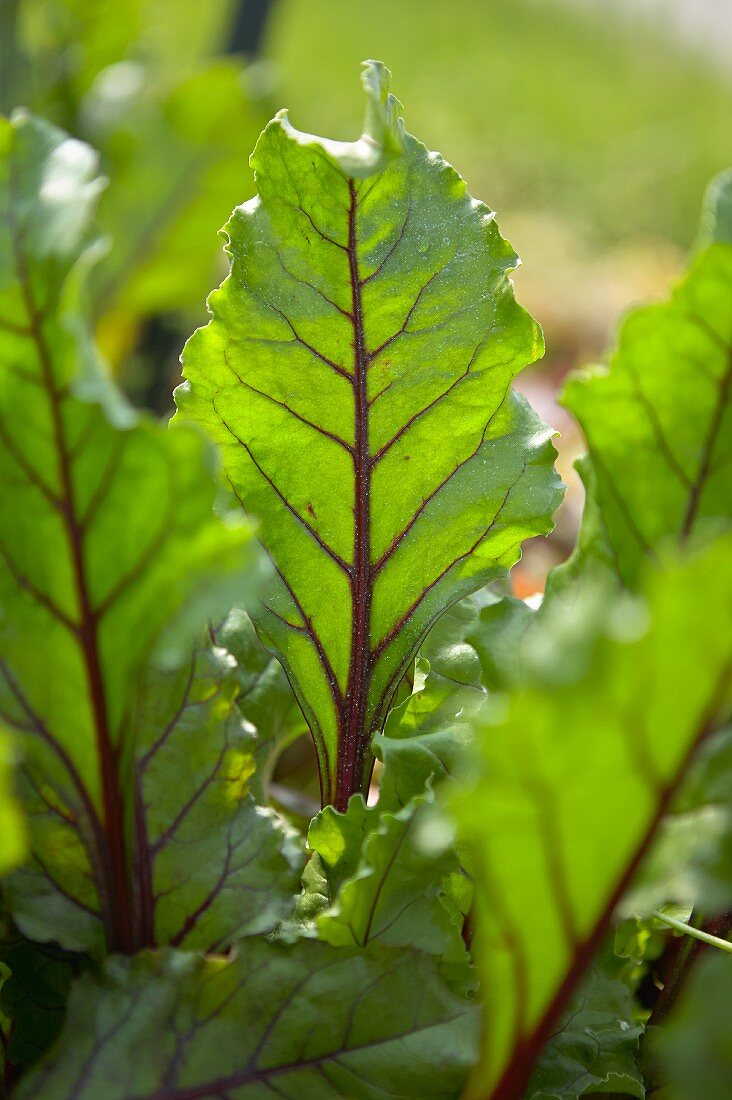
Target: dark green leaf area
<point>307,1022</point>
<point>33,996</point>
<point>207,864</point>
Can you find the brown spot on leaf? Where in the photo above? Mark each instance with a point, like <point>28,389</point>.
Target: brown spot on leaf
<point>311,510</point>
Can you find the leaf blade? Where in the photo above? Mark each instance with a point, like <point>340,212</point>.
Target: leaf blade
<point>351,331</point>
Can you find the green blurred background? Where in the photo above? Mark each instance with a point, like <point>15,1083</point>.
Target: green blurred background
<point>591,127</point>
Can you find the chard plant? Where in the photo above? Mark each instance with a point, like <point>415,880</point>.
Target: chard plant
<point>316,546</point>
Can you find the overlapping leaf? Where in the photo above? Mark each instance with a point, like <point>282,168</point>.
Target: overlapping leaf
<point>207,864</point>
<point>108,538</point>
<point>264,697</point>
<point>356,374</point>
<point>309,1022</point>
<point>594,1049</point>
<point>658,423</point>
<point>576,778</point>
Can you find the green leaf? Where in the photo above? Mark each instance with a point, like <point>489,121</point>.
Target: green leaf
<point>594,1049</point>
<point>12,837</point>
<point>576,776</point>
<point>401,893</point>
<point>690,863</point>
<point>497,639</point>
<point>207,864</point>
<point>109,547</point>
<point>657,421</point>
<point>176,155</point>
<point>264,698</point>
<point>307,1021</point>
<point>356,374</point>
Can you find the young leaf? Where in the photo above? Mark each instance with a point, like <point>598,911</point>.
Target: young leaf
<point>594,1049</point>
<point>576,778</point>
<point>309,1022</point>
<point>264,698</point>
<point>108,535</point>
<point>658,421</point>
<point>401,894</point>
<point>357,374</point>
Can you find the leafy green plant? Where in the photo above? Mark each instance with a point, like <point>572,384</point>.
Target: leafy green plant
<point>178,920</point>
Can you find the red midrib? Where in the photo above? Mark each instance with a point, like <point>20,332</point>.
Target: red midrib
<point>352,733</point>
<point>116,895</point>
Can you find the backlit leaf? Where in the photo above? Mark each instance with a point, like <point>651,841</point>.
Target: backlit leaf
<point>658,421</point>
<point>576,777</point>
<point>108,541</point>
<point>356,374</point>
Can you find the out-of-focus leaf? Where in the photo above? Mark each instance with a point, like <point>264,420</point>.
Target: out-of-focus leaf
<point>657,421</point>
<point>369,328</point>
<point>576,777</point>
<point>177,160</point>
<point>593,1050</point>
<point>694,1047</point>
<point>108,538</point>
<point>690,863</point>
<point>497,638</point>
<point>12,838</point>
<point>308,1021</point>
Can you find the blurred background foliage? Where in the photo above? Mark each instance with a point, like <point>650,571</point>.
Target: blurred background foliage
<point>591,128</point>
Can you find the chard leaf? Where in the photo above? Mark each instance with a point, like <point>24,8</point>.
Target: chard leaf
<point>356,374</point>
<point>109,551</point>
<point>217,866</point>
<point>575,779</point>
<point>658,422</point>
<point>308,1021</point>
<point>690,864</point>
